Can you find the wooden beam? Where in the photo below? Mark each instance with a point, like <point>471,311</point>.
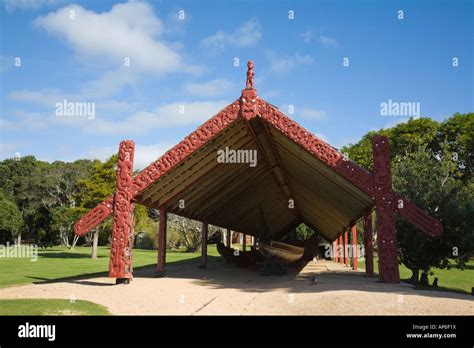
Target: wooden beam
<point>346,247</point>
<point>341,248</point>
<point>201,173</point>
<point>271,165</point>
<point>354,247</point>
<point>229,238</point>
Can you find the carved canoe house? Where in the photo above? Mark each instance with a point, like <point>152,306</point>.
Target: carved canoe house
<point>327,191</point>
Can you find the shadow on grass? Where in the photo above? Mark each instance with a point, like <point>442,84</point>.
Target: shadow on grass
<point>68,255</point>
<point>436,288</point>
<point>138,271</point>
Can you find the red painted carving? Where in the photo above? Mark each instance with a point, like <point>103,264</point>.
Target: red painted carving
<point>250,74</point>
<point>249,102</point>
<point>385,210</point>
<point>123,225</point>
<point>94,217</point>
<point>418,217</point>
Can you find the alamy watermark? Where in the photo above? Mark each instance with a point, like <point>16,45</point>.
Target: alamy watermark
<point>19,251</point>
<point>393,108</point>
<point>237,156</point>
<point>75,109</point>
<point>341,250</point>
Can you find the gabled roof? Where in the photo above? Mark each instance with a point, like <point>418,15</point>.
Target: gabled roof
<point>329,191</point>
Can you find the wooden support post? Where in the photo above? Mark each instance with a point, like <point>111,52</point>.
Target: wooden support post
<point>120,266</point>
<point>354,248</point>
<point>160,268</point>
<point>335,246</point>
<point>204,246</point>
<point>368,245</point>
<point>340,248</point>
<point>244,241</point>
<point>229,238</point>
<point>346,247</point>
<point>385,209</point>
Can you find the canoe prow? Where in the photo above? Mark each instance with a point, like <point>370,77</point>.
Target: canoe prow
<point>238,257</point>
<point>285,253</point>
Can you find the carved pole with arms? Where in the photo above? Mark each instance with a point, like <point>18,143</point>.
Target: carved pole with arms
<point>385,211</point>
<point>123,224</point>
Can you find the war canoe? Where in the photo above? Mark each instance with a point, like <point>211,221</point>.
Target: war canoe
<point>241,259</point>
<point>285,253</point>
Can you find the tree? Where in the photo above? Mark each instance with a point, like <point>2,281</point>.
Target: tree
<point>63,219</point>
<point>10,219</point>
<point>404,137</point>
<point>21,180</point>
<point>433,184</point>
<point>95,188</point>
<point>189,231</point>
<point>458,132</point>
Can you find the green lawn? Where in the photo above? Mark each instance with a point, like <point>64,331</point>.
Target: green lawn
<point>60,262</point>
<point>448,280</point>
<point>50,307</point>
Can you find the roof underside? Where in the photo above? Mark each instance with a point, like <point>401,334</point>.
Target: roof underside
<point>229,194</point>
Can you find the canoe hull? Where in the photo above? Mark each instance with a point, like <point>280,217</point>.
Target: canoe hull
<point>282,252</point>
<point>241,259</point>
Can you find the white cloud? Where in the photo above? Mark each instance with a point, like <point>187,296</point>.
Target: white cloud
<point>248,34</point>
<point>312,114</point>
<point>309,36</point>
<point>144,155</point>
<point>306,113</point>
<point>211,88</point>
<point>9,150</point>
<point>164,116</point>
<point>11,5</point>
<point>24,120</point>
<point>44,97</point>
<point>283,65</point>
<point>328,41</point>
<point>128,30</point>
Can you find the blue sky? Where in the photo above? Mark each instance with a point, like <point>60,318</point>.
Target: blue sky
<point>77,52</point>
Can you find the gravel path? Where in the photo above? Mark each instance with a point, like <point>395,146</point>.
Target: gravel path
<point>320,288</point>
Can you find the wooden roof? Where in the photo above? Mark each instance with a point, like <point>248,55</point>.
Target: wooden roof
<point>229,194</point>
<point>329,191</point>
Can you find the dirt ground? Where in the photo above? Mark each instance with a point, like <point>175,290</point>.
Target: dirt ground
<point>320,288</point>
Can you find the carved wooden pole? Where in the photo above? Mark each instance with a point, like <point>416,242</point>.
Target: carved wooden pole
<point>385,210</point>
<point>354,247</point>
<point>368,245</point>
<point>346,247</point>
<point>334,248</point>
<point>341,249</point>
<point>120,266</point>
<point>160,267</point>
<point>229,238</point>
<point>204,246</point>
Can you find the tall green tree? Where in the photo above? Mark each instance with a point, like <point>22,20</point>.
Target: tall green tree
<point>94,189</point>
<point>11,220</point>
<point>433,184</point>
